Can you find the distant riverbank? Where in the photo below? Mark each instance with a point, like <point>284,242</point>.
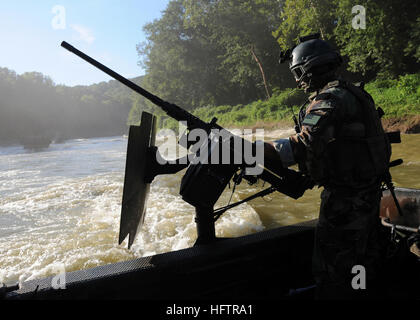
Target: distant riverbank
<point>399,99</point>
<point>409,124</point>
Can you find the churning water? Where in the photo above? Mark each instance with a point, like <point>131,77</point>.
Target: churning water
<point>62,206</point>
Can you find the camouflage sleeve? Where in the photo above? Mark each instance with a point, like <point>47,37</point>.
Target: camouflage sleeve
<point>317,130</point>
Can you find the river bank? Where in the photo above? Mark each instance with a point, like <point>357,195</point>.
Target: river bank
<point>408,125</point>
<point>398,98</point>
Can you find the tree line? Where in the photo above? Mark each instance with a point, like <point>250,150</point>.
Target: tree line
<point>34,111</point>
<point>203,53</point>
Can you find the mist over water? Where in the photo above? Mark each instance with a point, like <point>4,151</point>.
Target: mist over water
<point>62,206</point>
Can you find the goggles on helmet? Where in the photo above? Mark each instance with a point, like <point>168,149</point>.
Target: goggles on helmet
<point>318,64</point>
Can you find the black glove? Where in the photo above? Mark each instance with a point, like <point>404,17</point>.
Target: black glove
<point>297,183</point>
<point>289,182</point>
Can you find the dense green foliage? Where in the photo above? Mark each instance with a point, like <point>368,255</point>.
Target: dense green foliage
<point>387,47</point>
<point>277,108</point>
<point>203,52</point>
<point>398,97</point>
<point>35,111</point>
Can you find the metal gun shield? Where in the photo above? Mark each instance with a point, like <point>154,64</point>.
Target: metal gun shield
<point>136,190</point>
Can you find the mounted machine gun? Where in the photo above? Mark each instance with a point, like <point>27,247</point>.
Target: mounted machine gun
<point>204,181</point>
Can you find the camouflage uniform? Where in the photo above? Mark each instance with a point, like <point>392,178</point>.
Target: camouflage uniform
<point>342,147</point>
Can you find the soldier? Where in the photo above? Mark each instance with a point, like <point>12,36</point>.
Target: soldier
<point>341,145</point>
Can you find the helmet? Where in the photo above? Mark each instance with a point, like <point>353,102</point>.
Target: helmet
<point>313,58</point>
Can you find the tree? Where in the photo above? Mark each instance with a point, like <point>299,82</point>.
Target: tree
<point>385,47</point>
<point>243,32</point>
<point>210,52</point>
<point>304,17</point>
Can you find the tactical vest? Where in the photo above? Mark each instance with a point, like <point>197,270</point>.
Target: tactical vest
<point>360,152</point>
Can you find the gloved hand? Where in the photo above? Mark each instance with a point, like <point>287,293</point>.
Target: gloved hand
<point>298,183</point>
<point>292,183</point>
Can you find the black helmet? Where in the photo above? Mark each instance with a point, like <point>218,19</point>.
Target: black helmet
<point>312,61</point>
<point>314,57</point>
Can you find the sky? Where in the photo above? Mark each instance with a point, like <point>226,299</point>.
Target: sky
<point>31,32</point>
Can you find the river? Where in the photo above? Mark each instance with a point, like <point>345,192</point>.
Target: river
<point>61,207</point>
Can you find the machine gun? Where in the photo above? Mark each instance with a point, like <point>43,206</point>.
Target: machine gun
<point>203,182</point>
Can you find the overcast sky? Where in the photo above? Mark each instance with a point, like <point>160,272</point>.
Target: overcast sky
<point>31,32</point>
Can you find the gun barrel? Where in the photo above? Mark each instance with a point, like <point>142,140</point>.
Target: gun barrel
<point>171,109</point>
<point>112,73</point>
